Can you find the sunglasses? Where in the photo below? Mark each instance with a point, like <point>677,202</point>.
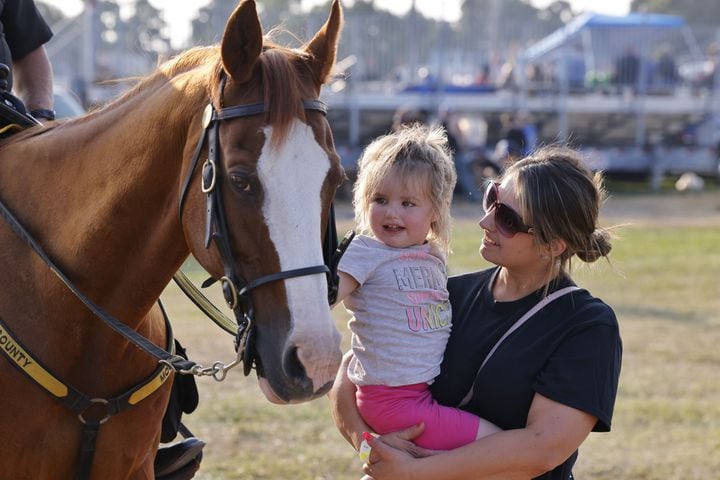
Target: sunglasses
<point>507,221</point>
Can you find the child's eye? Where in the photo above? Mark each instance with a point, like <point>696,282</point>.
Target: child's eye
<point>380,200</point>
<point>408,204</point>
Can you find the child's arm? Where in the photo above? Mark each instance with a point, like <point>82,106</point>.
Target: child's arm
<point>346,286</point>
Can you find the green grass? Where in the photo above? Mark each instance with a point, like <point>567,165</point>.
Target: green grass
<point>663,284</point>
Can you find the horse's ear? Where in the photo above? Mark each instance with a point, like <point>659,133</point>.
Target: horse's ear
<point>242,41</point>
<point>323,47</point>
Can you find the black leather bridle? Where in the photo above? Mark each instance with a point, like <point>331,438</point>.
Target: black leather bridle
<point>236,289</point>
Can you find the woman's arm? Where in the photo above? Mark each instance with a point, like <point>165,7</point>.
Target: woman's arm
<point>553,432</point>
<point>351,425</point>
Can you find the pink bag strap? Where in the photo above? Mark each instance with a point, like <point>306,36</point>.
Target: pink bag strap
<point>541,304</point>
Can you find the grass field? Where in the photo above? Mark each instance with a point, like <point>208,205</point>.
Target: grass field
<point>664,285</point>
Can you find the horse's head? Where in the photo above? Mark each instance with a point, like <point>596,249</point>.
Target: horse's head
<point>268,184</point>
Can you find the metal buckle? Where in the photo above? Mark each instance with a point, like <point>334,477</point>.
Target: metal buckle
<point>209,164</point>
<point>95,401</point>
<point>230,293</point>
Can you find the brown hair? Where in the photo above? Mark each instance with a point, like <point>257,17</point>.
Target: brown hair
<point>561,198</point>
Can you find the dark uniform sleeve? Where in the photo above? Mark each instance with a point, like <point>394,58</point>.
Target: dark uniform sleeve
<point>583,372</point>
<point>24,28</point>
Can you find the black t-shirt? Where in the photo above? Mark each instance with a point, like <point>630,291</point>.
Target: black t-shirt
<point>570,352</point>
<point>22,30</point>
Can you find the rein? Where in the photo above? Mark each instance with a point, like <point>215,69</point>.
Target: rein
<point>235,289</point>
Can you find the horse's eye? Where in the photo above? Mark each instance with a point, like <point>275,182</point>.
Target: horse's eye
<point>241,183</point>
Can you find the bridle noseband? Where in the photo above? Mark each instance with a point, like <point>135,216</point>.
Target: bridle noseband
<point>236,289</point>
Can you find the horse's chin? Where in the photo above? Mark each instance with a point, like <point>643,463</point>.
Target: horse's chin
<point>270,394</point>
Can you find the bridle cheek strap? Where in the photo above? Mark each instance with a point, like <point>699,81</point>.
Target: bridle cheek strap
<point>236,290</point>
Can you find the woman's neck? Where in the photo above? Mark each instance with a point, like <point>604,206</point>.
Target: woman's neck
<point>513,285</point>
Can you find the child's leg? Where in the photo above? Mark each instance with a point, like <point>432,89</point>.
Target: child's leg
<point>388,409</point>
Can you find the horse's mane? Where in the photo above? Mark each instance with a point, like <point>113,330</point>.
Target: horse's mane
<point>279,71</point>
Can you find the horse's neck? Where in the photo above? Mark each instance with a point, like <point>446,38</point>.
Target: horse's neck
<point>101,196</point>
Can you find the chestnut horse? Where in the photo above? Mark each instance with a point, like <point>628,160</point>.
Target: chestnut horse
<point>99,195</point>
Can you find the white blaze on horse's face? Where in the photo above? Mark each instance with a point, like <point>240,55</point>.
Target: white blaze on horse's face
<point>293,176</point>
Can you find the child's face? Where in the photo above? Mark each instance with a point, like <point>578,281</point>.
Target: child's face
<point>401,212</point>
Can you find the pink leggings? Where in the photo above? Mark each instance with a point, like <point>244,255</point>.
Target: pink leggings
<point>388,409</point>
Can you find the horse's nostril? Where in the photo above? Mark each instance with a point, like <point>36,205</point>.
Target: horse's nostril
<point>293,366</point>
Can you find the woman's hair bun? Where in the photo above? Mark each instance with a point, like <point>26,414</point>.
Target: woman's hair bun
<point>599,245</point>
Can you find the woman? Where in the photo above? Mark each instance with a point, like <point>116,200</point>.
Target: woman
<point>550,382</point>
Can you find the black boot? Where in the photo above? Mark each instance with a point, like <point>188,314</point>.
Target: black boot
<point>179,461</point>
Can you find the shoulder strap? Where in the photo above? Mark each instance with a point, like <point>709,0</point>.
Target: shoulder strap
<point>541,304</point>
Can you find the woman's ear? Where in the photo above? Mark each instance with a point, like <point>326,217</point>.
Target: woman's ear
<point>552,250</point>
<point>557,247</point>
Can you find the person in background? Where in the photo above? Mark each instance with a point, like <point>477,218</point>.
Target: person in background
<point>627,70</point>
<point>393,279</point>
<point>24,33</point>
<point>547,383</point>
<point>529,130</point>
<point>576,69</point>
<point>466,187</point>
<point>514,143</point>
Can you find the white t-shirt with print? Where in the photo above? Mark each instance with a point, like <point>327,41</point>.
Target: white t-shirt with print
<point>401,312</point>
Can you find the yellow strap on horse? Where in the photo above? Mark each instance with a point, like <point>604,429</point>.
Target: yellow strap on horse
<point>67,394</point>
<point>23,360</point>
<point>11,126</point>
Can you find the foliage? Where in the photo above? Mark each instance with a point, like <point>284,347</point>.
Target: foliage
<point>141,32</point>
<point>145,29</point>
<point>209,22</point>
<point>698,12</point>
<point>52,14</point>
<point>513,21</point>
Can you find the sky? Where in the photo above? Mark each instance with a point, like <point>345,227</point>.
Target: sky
<point>178,13</point>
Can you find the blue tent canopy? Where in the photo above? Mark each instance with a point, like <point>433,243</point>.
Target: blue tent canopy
<point>595,21</point>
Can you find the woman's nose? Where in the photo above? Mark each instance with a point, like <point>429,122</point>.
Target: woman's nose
<point>486,222</point>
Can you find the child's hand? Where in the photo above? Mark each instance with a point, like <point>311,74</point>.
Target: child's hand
<point>365,448</point>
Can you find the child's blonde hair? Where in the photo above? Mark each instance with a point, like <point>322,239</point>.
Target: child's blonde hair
<point>411,153</point>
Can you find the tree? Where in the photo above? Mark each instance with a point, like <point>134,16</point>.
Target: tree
<point>698,12</point>
<point>209,22</point>
<point>52,14</point>
<point>108,15</point>
<point>145,30</point>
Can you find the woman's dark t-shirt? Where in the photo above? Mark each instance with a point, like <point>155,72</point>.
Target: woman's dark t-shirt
<point>570,352</point>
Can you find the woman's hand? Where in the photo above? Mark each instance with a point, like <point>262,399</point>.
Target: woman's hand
<point>403,440</point>
<point>389,463</point>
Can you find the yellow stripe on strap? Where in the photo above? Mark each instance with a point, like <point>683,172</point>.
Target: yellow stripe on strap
<point>11,126</point>
<point>28,364</point>
<point>150,386</point>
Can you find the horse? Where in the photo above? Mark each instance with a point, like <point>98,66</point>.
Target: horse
<point>223,152</point>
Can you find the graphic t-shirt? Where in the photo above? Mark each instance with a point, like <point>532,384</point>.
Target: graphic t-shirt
<point>401,313</point>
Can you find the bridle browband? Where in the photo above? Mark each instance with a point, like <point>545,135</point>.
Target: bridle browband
<point>238,298</point>
<point>236,289</point>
